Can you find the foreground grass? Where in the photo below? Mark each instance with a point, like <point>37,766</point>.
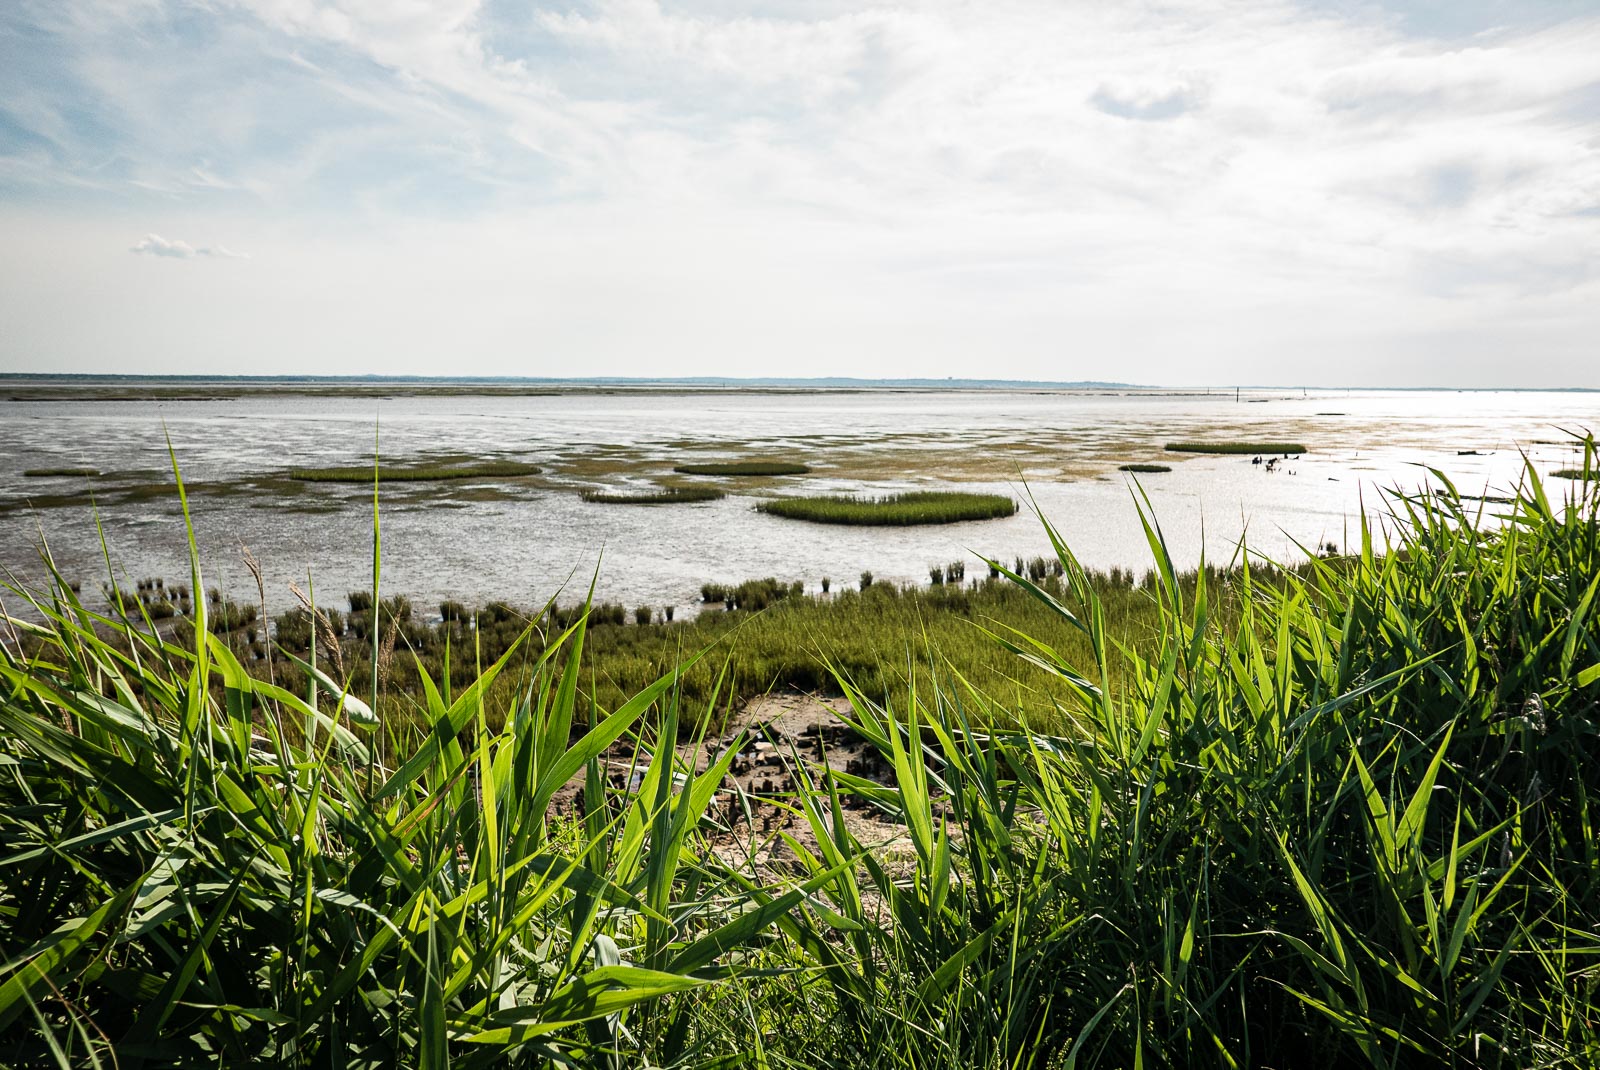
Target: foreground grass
<point>419,473</point>
<point>896,510</point>
<point>1350,823</point>
<point>662,496</point>
<point>744,468</point>
<point>1236,447</point>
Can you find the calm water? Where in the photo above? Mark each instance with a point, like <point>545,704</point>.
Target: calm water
<point>439,544</point>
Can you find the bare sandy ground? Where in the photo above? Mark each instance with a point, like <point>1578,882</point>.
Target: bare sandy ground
<point>781,736</point>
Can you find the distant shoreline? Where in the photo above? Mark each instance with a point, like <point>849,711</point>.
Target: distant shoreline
<point>64,386</point>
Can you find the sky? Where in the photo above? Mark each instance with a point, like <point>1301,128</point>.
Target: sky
<point>1180,193</point>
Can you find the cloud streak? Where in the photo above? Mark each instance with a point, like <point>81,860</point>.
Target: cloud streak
<point>177,249</point>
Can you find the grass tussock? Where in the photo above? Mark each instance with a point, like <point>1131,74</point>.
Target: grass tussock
<point>48,473</point>
<point>1349,822</point>
<point>915,507</point>
<point>416,473</point>
<point>1231,448</point>
<point>661,496</point>
<point>744,468</point>
<point>1576,473</point>
<point>1143,468</point>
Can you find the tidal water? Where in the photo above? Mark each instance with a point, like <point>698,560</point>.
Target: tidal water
<point>524,541</point>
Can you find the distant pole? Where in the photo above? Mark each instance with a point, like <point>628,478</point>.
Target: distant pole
<point>1236,395</point>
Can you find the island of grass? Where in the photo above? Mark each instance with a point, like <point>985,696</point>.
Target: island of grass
<point>744,468</point>
<point>45,473</point>
<point>1144,468</point>
<point>418,474</point>
<point>1235,447</point>
<point>897,510</point>
<point>1576,473</point>
<point>660,496</point>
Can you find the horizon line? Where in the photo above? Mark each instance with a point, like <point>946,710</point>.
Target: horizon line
<point>798,382</point>
<point>925,383</point>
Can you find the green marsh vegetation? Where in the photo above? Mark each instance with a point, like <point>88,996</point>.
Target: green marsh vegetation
<point>426,473</point>
<point>1144,468</point>
<point>1352,816</point>
<point>743,468</point>
<point>143,486</point>
<point>659,496</point>
<point>1576,473</point>
<point>1231,448</point>
<point>895,510</point>
<point>767,636</point>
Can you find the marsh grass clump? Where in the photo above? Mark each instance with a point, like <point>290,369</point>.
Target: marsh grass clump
<point>751,594</point>
<point>896,510</point>
<point>1577,473</point>
<point>46,473</point>
<point>151,597</point>
<point>599,614</point>
<point>1144,468</point>
<point>661,496</point>
<point>230,616</point>
<point>743,468</point>
<point>1262,448</point>
<point>416,473</point>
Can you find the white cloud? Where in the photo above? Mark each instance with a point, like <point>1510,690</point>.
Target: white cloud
<point>156,245</point>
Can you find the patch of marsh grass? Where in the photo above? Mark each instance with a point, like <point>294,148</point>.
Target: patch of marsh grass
<point>48,473</point>
<point>895,510</point>
<point>1144,468</point>
<point>415,473</point>
<point>660,496</point>
<point>743,468</point>
<point>108,493</point>
<point>1262,448</point>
